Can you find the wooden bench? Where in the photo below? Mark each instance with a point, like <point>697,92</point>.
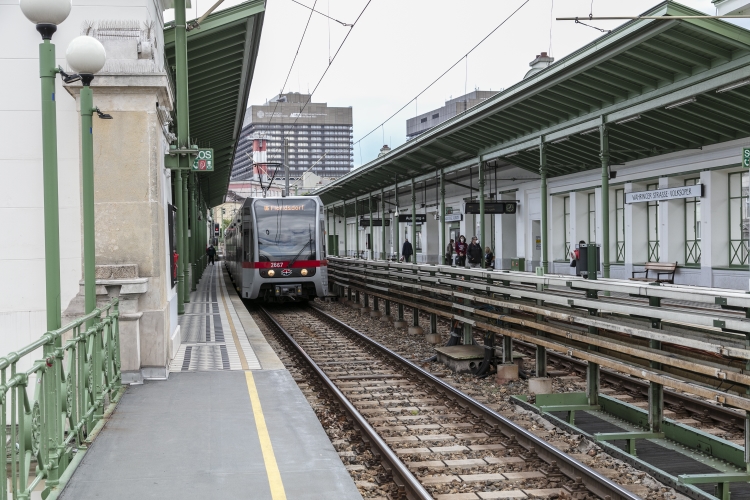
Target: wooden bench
<point>660,268</point>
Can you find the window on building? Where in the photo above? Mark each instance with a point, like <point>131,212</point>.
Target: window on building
<point>620,225</point>
<point>566,225</point>
<point>436,116</point>
<point>652,226</point>
<point>692,227</point>
<point>592,218</point>
<point>423,120</point>
<point>739,234</point>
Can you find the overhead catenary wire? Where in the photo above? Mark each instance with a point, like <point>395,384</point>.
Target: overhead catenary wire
<point>446,71</point>
<point>273,113</point>
<point>324,15</point>
<point>309,97</point>
<point>631,18</point>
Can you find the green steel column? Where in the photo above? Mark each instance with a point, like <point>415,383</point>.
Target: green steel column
<point>47,72</point>
<point>383,226</point>
<point>356,225</point>
<point>604,134</point>
<point>396,226</point>
<point>346,233</point>
<point>181,258</point>
<point>482,167</point>
<point>183,135</point>
<point>186,235</point>
<point>336,232</point>
<point>543,174</point>
<point>372,241</point>
<point>87,186</point>
<point>443,241</point>
<point>414,220</point>
<point>193,234</point>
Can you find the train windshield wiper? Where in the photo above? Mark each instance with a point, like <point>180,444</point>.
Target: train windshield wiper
<point>291,262</point>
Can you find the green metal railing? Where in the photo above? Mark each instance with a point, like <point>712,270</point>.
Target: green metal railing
<point>52,410</point>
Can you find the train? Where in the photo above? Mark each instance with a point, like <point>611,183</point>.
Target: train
<point>275,249</point>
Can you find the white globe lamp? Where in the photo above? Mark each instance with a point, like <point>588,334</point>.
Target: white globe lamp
<point>86,56</point>
<point>46,11</point>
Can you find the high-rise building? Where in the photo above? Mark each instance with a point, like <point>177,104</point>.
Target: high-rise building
<point>306,131</point>
<point>424,122</point>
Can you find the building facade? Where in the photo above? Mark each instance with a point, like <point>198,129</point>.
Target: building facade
<point>424,122</point>
<point>134,199</point>
<point>304,131</point>
<point>593,149</point>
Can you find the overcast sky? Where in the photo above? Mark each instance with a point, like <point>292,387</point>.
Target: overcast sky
<point>399,47</point>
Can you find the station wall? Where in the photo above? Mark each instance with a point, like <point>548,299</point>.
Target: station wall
<point>707,237</point>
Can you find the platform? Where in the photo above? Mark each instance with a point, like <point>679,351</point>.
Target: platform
<point>230,422</point>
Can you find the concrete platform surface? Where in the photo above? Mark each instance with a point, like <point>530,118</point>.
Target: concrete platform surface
<point>212,430</point>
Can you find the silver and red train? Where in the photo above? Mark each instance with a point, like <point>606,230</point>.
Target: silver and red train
<point>275,249</point>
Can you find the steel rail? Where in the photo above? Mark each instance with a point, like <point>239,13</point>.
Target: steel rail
<point>572,468</point>
<point>401,474</point>
<point>722,414</point>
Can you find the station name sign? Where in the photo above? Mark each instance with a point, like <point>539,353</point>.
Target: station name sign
<point>365,222</point>
<point>421,218</point>
<point>491,207</point>
<point>454,217</point>
<point>673,193</point>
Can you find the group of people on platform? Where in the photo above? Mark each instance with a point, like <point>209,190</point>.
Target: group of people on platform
<point>458,252</point>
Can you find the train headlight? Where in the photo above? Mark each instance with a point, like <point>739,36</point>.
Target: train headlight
<point>303,272</point>
<point>271,273</point>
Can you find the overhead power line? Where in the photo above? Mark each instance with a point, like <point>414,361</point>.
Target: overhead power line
<point>324,15</point>
<point>445,72</point>
<point>309,97</point>
<point>293,60</point>
<point>627,18</point>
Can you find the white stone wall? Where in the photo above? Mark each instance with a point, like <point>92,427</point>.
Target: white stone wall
<point>22,298</point>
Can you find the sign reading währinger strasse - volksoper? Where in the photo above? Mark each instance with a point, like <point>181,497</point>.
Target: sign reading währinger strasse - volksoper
<point>672,193</point>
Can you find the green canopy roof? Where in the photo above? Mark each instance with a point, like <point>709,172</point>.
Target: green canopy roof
<point>629,79</point>
<point>221,62</point>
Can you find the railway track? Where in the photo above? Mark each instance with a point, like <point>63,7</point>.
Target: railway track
<point>436,441</point>
<point>685,406</point>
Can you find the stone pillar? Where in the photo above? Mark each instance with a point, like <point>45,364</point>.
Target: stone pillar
<point>132,193</point>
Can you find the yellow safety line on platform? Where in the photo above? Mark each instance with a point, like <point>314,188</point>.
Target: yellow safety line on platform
<point>243,361</point>
<point>272,468</point>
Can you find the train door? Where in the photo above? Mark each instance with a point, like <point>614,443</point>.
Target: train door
<point>248,248</point>
<point>323,256</point>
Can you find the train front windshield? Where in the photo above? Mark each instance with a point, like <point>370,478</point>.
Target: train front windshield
<point>286,229</point>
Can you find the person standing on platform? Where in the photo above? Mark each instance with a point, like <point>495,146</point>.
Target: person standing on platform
<point>575,255</point>
<point>406,251</point>
<point>474,252</point>
<point>449,253</point>
<point>461,248</point>
<point>211,252</point>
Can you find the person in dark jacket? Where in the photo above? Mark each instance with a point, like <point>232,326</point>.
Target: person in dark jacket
<point>474,253</point>
<point>406,251</point>
<point>449,252</point>
<point>461,248</point>
<point>489,258</point>
<point>211,252</point>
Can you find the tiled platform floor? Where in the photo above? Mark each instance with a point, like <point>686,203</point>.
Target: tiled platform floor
<point>199,434</point>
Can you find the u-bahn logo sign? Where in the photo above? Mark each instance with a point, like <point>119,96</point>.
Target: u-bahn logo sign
<point>204,160</point>
<point>286,272</point>
<point>746,157</point>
